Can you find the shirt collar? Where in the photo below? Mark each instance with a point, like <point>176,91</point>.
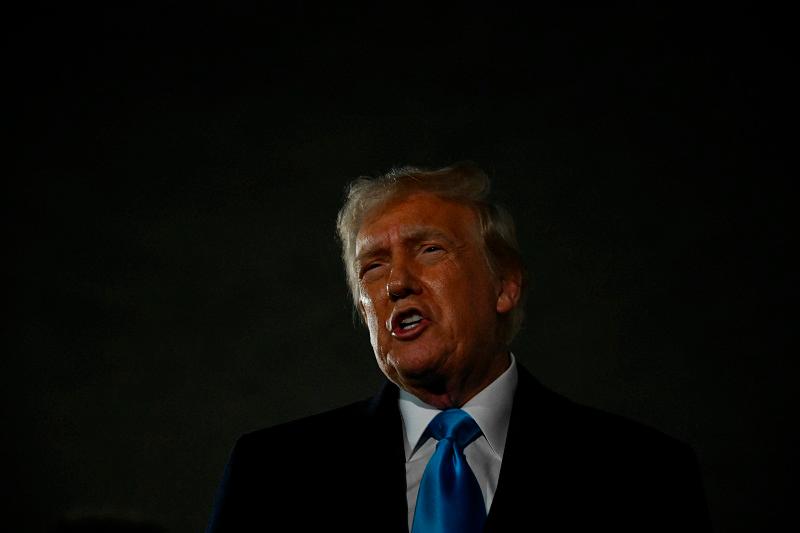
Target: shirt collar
<point>491,409</point>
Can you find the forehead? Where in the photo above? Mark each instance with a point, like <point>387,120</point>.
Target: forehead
<point>417,214</point>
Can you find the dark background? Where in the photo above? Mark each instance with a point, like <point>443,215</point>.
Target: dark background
<point>174,175</point>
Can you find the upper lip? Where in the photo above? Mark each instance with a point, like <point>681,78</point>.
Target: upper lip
<point>403,312</point>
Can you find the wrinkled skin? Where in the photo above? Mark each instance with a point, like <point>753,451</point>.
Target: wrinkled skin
<point>425,253</point>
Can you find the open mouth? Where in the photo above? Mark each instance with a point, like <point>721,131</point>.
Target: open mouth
<point>408,324</point>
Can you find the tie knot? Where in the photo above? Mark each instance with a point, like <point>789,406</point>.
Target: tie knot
<point>455,425</point>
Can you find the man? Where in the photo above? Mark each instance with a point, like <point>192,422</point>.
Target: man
<point>461,437</point>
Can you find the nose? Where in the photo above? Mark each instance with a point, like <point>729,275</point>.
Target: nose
<point>401,282</point>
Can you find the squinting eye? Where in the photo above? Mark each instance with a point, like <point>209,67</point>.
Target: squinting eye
<point>431,249</point>
<point>367,268</point>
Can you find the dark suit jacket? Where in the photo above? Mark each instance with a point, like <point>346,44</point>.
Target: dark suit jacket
<point>566,468</point>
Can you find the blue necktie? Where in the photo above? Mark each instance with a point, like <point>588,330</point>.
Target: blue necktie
<point>449,498</point>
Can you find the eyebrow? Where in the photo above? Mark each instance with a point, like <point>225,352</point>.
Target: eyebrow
<point>412,234</point>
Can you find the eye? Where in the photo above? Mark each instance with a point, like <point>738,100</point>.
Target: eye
<point>367,268</point>
<point>431,248</point>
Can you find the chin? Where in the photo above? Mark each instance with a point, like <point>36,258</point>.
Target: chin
<point>418,367</point>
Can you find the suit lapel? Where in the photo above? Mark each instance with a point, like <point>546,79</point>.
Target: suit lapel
<point>386,486</point>
<point>522,478</point>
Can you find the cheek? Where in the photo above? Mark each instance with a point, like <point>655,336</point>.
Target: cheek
<point>371,318</point>
<point>471,301</point>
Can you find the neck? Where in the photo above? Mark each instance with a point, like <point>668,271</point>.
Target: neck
<point>454,391</point>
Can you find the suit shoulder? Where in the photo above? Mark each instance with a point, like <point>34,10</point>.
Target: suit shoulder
<point>619,427</point>
<point>331,422</point>
<point>621,472</point>
<point>607,431</point>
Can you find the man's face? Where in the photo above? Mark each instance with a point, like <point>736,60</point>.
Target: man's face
<point>429,298</point>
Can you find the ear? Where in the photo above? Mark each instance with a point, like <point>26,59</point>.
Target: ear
<point>509,289</point>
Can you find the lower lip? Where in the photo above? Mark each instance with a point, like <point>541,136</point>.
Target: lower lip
<point>410,334</point>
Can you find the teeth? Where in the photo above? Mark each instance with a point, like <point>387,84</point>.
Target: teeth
<point>409,320</point>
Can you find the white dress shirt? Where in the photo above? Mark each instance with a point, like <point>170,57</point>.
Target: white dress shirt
<point>491,409</point>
